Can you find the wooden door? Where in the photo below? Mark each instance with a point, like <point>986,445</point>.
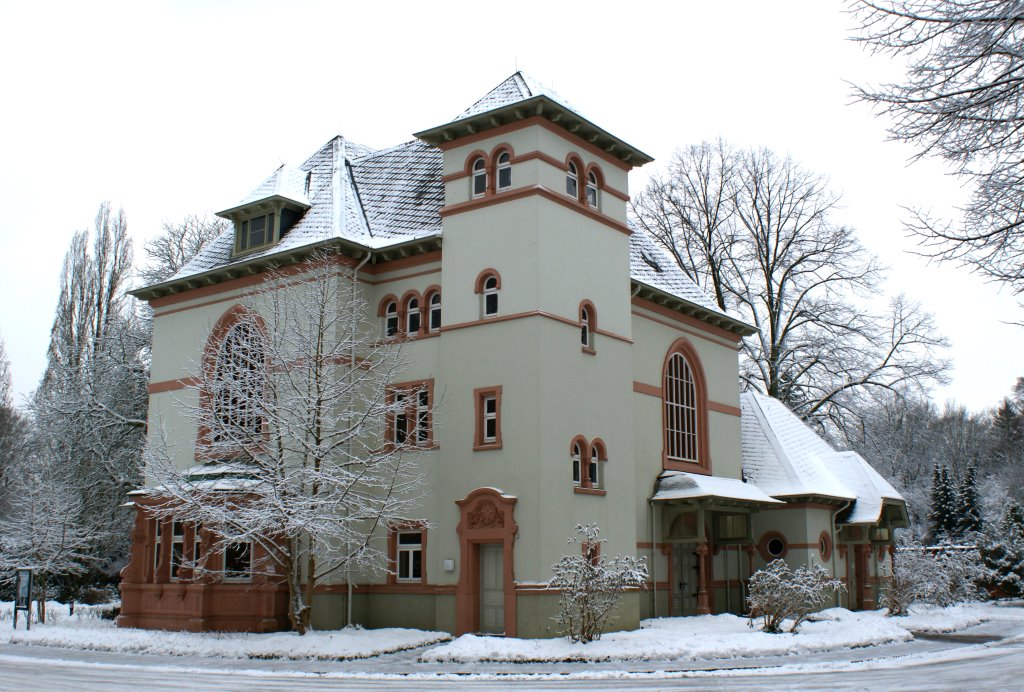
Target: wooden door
<point>492,588</point>
<point>685,579</point>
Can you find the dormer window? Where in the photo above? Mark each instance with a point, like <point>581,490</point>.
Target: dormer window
<point>254,232</point>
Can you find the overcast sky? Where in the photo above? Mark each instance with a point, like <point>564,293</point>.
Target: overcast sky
<point>178,107</point>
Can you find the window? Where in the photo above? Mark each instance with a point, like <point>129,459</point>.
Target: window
<point>410,417</point>
<point>588,324</point>
<point>772,546</point>
<point>572,181</point>
<point>401,420</point>
<point>238,385</point>
<point>391,319</point>
<point>577,456</point>
<point>479,177</point>
<point>157,549</point>
<point>410,556</point>
<point>177,548</point>
<point>592,197</point>
<point>504,171</point>
<point>775,547</point>
<point>412,317</point>
<point>238,562</point>
<point>488,418</point>
<point>825,546</point>
<point>197,544</point>
<point>593,471</point>
<point>434,322</point>
<point>490,296</point>
<point>680,411</point>
<point>256,232</point>
<point>407,548</point>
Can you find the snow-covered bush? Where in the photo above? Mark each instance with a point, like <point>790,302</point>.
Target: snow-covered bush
<point>778,593</point>
<point>591,586</point>
<point>956,575</point>
<point>911,566</point>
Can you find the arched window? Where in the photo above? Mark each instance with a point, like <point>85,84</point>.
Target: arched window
<point>412,316</point>
<point>479,177</point>
<point>390,319</point>
<point>237,388</point>
<point>585,338</point>
<point>577,461</point>
<point>598,455</point>
<point>504,171</point>
<point>592,197</point>
<point>434,322</point>
<point>490,296</point>
<point>685,407</point>
<point>572,181</point>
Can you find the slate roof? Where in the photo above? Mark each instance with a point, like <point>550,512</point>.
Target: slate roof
<point>382,198</point>
<point>785,458</point>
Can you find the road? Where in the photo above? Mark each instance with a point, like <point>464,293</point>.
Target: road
<point>947,665</point>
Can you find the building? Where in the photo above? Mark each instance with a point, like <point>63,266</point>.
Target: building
<point>586,379</point>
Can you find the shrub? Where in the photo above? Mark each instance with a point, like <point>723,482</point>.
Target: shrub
<point>778,593</point>
<point>591,586</point>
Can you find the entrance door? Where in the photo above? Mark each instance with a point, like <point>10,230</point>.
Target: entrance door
<point>685,579</point>
<point>492,588</point>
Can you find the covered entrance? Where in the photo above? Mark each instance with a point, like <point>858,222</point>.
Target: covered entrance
<point>702,526</point>
<point>485,597</point>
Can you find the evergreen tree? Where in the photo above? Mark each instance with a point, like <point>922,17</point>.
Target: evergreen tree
<point>968,516</point>
<point>937,514</point>
<point>951,503</point>
<point>1003,552</point>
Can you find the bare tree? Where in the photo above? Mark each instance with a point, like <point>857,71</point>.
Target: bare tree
<point>294,408</point>
<point>178,244</point>
<point>14,431</point>
<point>961,100</point>
<point>44,529</point>
<point>90,409</point>
<point>758,231</point>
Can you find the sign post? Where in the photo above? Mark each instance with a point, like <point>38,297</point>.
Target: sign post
<point>23,596</point>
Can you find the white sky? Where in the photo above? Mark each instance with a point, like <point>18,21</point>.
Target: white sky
<point>169,108</point>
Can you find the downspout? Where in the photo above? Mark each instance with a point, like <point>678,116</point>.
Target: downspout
<point>351,367</point>
<point>654,570</point>
<point>835,549</point>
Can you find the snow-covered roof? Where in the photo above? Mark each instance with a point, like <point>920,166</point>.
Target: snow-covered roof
<point>286,182</point>
<point>785,458</point>
<point>679,485</point>
<point>516,88</point>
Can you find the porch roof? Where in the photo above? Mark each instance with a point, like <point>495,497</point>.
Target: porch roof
<point>679,485</point>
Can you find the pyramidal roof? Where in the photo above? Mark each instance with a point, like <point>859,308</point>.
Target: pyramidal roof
<point>516,88</point>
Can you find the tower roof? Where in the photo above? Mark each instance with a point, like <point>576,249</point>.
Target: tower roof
<point>519,97</point>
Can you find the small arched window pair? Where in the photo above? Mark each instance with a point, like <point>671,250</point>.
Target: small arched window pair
<point>413,314</point>
<point>587,461</point>
<point>479,173</point>
<point>572,184</point>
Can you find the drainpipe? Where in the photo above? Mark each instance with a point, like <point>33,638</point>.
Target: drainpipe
<point>351,366</point>
<point>654,571</point>
<point>835,548</point>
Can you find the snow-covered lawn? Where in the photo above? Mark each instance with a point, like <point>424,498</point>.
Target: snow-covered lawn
<point>725,636</point>
<point>87,631</point>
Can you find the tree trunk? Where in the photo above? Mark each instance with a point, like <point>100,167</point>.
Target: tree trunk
<point>41,601</point>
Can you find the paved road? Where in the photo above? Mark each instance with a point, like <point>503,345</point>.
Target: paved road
<point>922,665</point>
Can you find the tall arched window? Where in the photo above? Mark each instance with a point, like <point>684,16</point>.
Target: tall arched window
<point>595,470</point>
<point>680,411</point>
<point>577,461</point>
<point>572,181</point>
<point>390,319</point>
<point>585,327</point>
<point>504,171</point>
<point>237,388</point>
<point>479,177</point>
<point>434,322</point>
<point>412,317</point>
<point>592,197</point>
<point>490,296</point>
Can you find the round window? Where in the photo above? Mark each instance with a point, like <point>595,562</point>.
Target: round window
<point>776,547</point>
<point>825,546</point>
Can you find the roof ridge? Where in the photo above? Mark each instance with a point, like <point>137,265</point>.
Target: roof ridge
<point>387,150</point>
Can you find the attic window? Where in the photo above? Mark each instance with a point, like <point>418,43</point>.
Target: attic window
<point>651,262</point>
<point>254,232</point>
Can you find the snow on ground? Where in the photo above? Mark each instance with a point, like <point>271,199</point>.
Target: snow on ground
<point>87,631</point>
<point>60,614</point>
<point>707,636</point>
